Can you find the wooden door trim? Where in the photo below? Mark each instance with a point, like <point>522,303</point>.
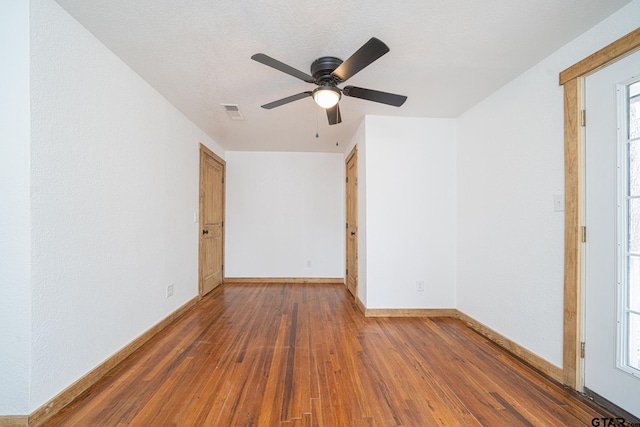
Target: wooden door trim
<point>212,154</point>
<point>204,149</point>
<point>611,53</point>
<point>352,154</point>
<point>573,80</point>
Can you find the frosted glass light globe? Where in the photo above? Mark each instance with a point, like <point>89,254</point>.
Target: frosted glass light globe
<point>326,97</point>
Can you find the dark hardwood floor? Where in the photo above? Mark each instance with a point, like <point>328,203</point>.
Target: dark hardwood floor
<point>303,355</point>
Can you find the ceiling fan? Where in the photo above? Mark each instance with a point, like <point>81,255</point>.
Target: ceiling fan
<point>328,72</point>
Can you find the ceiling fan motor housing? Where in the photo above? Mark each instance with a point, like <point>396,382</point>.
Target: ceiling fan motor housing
<point>322,68</point>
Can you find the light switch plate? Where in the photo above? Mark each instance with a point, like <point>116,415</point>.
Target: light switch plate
<point>558,202</point>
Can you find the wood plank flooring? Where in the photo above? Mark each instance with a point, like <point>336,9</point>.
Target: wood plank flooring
<point>292,355</point>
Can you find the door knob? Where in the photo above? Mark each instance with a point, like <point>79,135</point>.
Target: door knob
<point>353,232</point>
<point>205,231</point>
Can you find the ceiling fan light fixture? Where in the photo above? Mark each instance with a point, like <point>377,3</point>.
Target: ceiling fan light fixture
<point>326,96</point>
<point>329,71</point>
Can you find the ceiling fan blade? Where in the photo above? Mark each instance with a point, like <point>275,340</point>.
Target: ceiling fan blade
<point>286,100</point>
<point>333,114</point>
<point>281,66</point>
<point>374,95</point>
<point>369,52</point>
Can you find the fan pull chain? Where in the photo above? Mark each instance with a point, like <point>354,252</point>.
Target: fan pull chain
<point>317,136</point>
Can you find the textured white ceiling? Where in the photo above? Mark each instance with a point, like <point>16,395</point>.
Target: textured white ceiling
<point>446,55</point>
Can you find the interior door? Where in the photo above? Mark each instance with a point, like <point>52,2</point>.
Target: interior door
<point>211,252</point>
<point>608,268</point>
<point>352,222</point>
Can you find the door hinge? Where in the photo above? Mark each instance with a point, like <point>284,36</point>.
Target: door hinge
<point>583,118</point>
<point>584,234</point>
<point>347,272</point>
<point>223,180</point>
<point>347,225</point>
<point>582,350</point>
<point>347,179</point>
<point>222,224</point>
<point>222,267</point>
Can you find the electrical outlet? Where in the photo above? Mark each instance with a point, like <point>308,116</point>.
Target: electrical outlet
<point>308,263</point>
<point>169,290</point>
<point>420,286</point>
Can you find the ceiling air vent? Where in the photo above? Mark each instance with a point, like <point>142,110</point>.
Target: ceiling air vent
<point>233,111</point>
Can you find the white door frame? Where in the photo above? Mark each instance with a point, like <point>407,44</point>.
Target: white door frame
<point>605,376</point>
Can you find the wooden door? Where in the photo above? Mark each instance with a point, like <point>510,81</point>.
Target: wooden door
<point>352,222</point>
<point>211,251</point>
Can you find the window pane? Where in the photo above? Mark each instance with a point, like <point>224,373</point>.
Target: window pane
<point>634,225</point>
<point>634,340</point>
<point>634,110</point>
<point>634,283</point>
<point>634,168</point>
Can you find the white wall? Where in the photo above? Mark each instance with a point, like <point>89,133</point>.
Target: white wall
<point>510,165</point>
<point>114,190</point>
<point>15,247</point>
<point>410,212</point>
<point>282,210</point>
